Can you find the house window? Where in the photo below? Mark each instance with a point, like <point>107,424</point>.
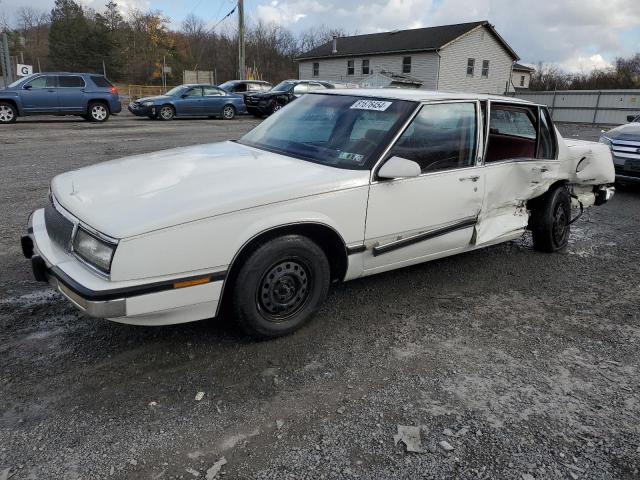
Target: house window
<point>350,67</point>
<point>522,80</point>
<point>406,65</point>
<point>365,67</point>
<point>316,69</point>
<point>471,65</point>
<point>485,68</point>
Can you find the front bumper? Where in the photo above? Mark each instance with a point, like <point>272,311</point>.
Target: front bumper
<point>157,302</point>
<point>625,171</point>
<point>142,111</point>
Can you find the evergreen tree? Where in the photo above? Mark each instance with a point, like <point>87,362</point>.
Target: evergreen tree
<point>68,36</point>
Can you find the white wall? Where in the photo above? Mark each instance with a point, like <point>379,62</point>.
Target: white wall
<point>481,45</point>
<point>424,66</point>
<point>516,80</point>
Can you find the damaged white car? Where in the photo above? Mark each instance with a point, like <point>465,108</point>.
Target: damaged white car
<point>336,186</point>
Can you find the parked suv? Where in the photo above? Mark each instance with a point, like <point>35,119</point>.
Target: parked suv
<point>265,103</point>
<point>87,95</point>
<point>245,87</point>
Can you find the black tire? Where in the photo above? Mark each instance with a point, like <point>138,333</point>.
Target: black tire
<point>98,112</point>
<point>166,113</point>
<point>280,286</point>
<point>549,221</point>
<point>8,113</point>
<point>228,112</point>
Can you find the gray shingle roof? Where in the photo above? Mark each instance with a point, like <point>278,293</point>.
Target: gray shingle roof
<point>522,68</point>
<point>397,41</point>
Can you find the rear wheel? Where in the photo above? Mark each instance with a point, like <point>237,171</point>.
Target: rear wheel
<point>280,286</point>
<point>549,222</point>
<point>98,112</point>
<point>166,113</point>
<point>228,112</point>
<point>8,113</point>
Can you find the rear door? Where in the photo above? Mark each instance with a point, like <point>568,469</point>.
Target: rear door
<point>520,163</point>
<point>213,100</point>
<point>71,94</point>
<point>40,95</point>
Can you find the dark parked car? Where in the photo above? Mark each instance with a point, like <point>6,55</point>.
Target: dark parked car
<point>190,101</point>
<point>87,95</point>
<point>624,142</point>
<point>244,87</point>
<point>260,104</point>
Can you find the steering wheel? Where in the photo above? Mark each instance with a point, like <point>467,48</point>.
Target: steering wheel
<point>435,163</point>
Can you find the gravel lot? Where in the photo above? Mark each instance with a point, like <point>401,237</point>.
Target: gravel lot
<point>527,364</point>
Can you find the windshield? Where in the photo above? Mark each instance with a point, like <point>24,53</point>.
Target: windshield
<point>337,130</point>
<point>21,79</point>
<point>283,86</point>
<point>226,85</point>
<point>176,91</point>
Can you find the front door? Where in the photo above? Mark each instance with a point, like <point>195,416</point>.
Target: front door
<point>40,95</point>
<point>410,220</point>
<point>191,103</point>
<point>71,94</point>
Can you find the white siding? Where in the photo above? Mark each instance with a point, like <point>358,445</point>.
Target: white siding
<point>481,45</point>
<point>424,66</point>
<point>515,78</point>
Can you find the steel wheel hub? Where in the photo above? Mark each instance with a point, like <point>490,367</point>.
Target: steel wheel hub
<point>560,224</point>
<point>284,290</point>
<point>166,112</point>
<point>6,113</point>
<point>228,112</point>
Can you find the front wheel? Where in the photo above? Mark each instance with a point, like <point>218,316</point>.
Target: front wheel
<point>550,220</point>
<point>280,286</point>
<point>8,113</point>
<point>166,113</point>
<point>98,112</point>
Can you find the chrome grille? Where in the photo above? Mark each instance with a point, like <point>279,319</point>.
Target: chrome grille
<point>628,149</point>
<point>59,228</point>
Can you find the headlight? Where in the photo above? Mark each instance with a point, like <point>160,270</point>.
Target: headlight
<point>147,104</point>
<point>93,250</point>
<point>605,140</point>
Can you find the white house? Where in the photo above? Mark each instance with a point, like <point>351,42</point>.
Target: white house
<point>470,57</point>
<point>521,77</point>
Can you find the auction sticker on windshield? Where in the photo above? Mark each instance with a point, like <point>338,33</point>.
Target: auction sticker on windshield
<point>377,105</point>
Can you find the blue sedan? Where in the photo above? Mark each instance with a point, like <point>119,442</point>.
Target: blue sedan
<point>190,101</point>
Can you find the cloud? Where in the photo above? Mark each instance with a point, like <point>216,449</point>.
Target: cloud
<point>571,33</point>
<point>585,64</point>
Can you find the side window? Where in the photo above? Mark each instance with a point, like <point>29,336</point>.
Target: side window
<point>485,69</point>
<point>254,87</point>
<point>351,67</point>
<point>471,65</point>
<point>300,88</point>
<point>512,133</point>
<point>240,87</point>
<point>46,81</point>
<point>365,67</point>
<point>316,69</point>
<point>212,92</point>
<point>69,81</point>
<point>100,81</point>
<point>194,92</point>
<point>441,137</point>
<point>406,65</point>
<point>316,86</point>
<point>547,145</point>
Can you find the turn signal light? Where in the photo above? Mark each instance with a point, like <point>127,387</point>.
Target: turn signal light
<point>191,283</point>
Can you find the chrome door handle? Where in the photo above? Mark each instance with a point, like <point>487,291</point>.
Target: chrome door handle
<point>473,178</point>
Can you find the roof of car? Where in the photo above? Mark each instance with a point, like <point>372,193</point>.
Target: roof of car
<point>246,81</point>
<point>418,95</point>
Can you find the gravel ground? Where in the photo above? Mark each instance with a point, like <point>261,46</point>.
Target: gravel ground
<point>526,364</point>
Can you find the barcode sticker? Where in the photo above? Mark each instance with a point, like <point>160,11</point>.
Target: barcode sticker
<point>377,105</point>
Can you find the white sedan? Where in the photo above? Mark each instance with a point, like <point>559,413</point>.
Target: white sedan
<point>336,186</point>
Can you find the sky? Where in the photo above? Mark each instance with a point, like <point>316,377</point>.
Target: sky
<point>576,35</point>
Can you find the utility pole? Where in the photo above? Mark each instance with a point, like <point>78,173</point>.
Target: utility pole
<point>241,59</point>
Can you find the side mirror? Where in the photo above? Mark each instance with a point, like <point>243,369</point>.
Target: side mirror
<point>27,87</point>
<point>398,167</point>
<point>184,95</point>
<point>631,118</point>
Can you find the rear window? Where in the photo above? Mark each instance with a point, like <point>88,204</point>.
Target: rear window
<point>101,81</point>
<point>70,81</point>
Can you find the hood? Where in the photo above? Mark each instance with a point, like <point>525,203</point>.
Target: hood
<point>157,98</point>
<point>139,194</point>
<point>628,131</point>
<point>267,94</point>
